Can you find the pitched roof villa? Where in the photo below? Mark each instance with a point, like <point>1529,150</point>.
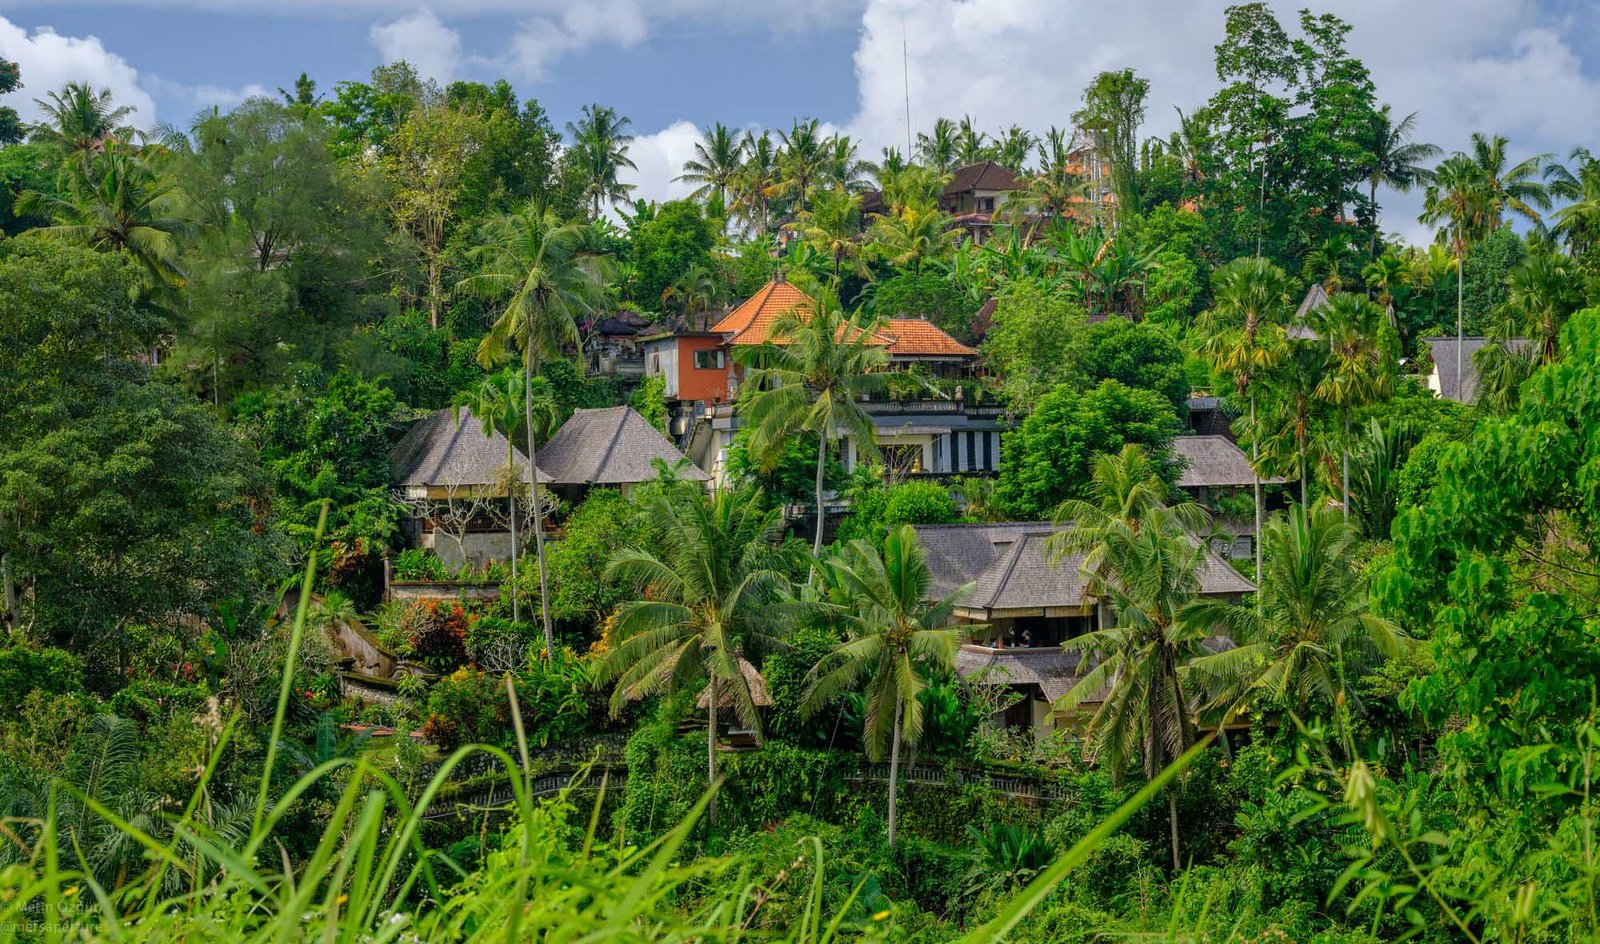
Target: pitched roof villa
<point>909,338</point>
<point>448,450</point>
<point>609,446</point>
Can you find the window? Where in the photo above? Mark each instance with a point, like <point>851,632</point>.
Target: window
<point>986,204</point>
<point>708,360</point>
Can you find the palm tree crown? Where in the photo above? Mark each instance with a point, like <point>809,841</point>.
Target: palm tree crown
<point>716,160</point>
<point>79,120</point>
<point>1396,159</point>
<point>1315,628</point>
<point>810,381</point>
<point>895,638</point>
<point>543,271</point>
<point>118,198</point>
<point>600,146</point>
<point>710,598</point>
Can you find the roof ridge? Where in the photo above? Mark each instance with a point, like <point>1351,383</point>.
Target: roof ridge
<point>1014,553</point>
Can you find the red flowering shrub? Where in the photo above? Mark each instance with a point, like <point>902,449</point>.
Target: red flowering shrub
<point>438,632</point>
<point>468,706</point>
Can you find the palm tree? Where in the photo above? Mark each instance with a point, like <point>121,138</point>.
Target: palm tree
<point>844,169</point>
<point>1050,194</point>
<point>910,185</point>
<point>896,638</point>
<point>710,599</point>
<point>1147,570</point>
<point>1244,338</point>
<point>1458,198</point>
<point>757,179</point>
<point>915,234</point>
<point>1124,490</point>
<point>1190,144</point>
<point>1375,467</point>
<point>697,290</point>
<point>1287,423</point>
<point>497,403</point>
<point>118,199</point>
<point>79,120</point>
<point>1314,628</point>
<point>803,160</point>
<point>546,275</point>
<point>1384,275</point>
<point>1579,221</point>
<point>1013,148</point>
<point>1543,292</point>
<point>1361,364</point>
<point>810,380</point>
<point>716,160</point>
<point>1396,161</point>
<point>1515,189</point>
<point>600,145</point>
<point>972,145</point>
<point>938,150</point>
<point>833,226</point>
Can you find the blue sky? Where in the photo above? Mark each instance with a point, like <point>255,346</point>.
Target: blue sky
<point>682,71</point>
<point>1529,69</point>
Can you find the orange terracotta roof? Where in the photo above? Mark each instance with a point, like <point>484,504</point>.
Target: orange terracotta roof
<point>918,337</point>
<point>751,321</point>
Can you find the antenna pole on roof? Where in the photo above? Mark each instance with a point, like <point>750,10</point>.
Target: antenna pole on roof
<point>905,77</point>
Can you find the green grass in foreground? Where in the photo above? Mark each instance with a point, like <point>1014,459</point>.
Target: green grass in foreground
<point>371,878</point>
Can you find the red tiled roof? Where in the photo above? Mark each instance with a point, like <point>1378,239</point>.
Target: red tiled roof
<point>918,337</point>
<point>750,322</point>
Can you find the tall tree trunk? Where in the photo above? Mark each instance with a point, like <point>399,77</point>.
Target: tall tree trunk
<point>1172,826</point>
<point>1304,474</point>
<point>434,269</point>
<point>894,767</point>
<point>1344,474</point>
<point>13,609</point>
<point>822,509</point>
<point>1255,474</point>
<point>538,507</point>
<point>511,464</point>
<point>711,752</point>
<point>1372,247</point>
<point>1461,282</point>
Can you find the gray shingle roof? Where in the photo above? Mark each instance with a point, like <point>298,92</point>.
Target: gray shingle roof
<point>960,553</point>
<point>1443,352</point>
<point>1011,569</point>
<point>438,451</point>
<point>608,446</point>
<point>1298,329</point>
<point>1213,461</point>
<point>1054,671</point>
<point>1025,577</point>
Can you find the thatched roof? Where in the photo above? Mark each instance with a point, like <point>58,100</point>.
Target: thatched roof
<point>440,452</point>
<point>1011,569</point>
<point>609,446</point>
<point>725,699</point>
<point>1054,671</point>
<point>1214,461</point>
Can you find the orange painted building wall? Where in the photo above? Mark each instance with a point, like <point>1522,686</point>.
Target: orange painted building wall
<point>694,383</point>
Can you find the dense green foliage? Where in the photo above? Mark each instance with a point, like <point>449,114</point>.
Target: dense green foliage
<point>211,341</point>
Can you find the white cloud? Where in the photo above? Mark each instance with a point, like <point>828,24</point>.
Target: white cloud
<point>48,60</point>
<point>421,39</point>
<point>659,157</point>
<point>1463,65</point>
